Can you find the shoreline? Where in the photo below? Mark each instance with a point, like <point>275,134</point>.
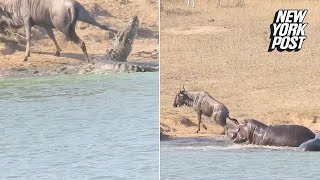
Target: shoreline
<point>96,66</point>
<point>170,137</point>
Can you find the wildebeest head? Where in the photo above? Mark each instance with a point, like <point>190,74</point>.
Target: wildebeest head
<point>240,134</point>
<point>181,98</point>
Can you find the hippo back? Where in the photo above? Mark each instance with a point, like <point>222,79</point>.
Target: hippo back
<point>311,145</point>
<point>287,135</point>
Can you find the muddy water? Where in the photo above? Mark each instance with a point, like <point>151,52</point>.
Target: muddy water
<point>79,127</point>
<point>218,158</point>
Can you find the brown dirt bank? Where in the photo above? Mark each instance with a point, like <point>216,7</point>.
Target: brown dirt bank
<point>228,58</point>
<point>113,12</point>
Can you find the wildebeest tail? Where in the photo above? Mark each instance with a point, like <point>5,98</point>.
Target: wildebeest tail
<point>233,120</point>
<point>84,16</point>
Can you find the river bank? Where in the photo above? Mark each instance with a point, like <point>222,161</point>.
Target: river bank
<point>82,68</point>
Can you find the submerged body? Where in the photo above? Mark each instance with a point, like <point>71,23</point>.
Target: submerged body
<point>60,14</point>
<point>203,104</point>
<point>258,133</point>
<point>311,145</point>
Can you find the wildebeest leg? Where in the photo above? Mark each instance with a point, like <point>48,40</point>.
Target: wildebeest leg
<point>218,117</point>
<point>214,117</point>
<point>199,120</point>
<point>82,45</point>
<point>51,35</point>
<point>27,25</point>
<point>225,130</point>
<point>70,33</point>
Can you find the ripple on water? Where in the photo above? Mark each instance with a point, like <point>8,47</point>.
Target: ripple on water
<point>79,127</point>
<point>219,158</point>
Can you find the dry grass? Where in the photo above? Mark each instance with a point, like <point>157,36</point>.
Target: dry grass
<point>230,61</point>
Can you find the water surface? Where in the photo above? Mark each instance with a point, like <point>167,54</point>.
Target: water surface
<point>219,158</point>
<point>79,127</point>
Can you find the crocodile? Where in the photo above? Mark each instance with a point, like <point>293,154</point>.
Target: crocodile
<point>117,54</point>
<point>121,45</point>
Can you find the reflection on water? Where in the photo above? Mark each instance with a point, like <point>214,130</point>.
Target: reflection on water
<point>219,158</point>
<point>79,127</point>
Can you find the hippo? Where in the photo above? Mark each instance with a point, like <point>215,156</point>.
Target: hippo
<point>311,145</point>
<point>256,132</point>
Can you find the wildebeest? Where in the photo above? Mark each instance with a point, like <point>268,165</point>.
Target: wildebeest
<point>311,145</point>
<point>60,14</point>
<point>204,104</point>
<point>256,132</point>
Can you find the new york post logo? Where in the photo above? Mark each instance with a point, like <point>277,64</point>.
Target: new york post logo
<point>287,30</point>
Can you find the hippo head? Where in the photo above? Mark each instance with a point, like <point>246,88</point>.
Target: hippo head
<point>239,133</point>
<point>181,98</point>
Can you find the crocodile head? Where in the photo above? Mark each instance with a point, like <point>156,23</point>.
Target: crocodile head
<point>122,43</point>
